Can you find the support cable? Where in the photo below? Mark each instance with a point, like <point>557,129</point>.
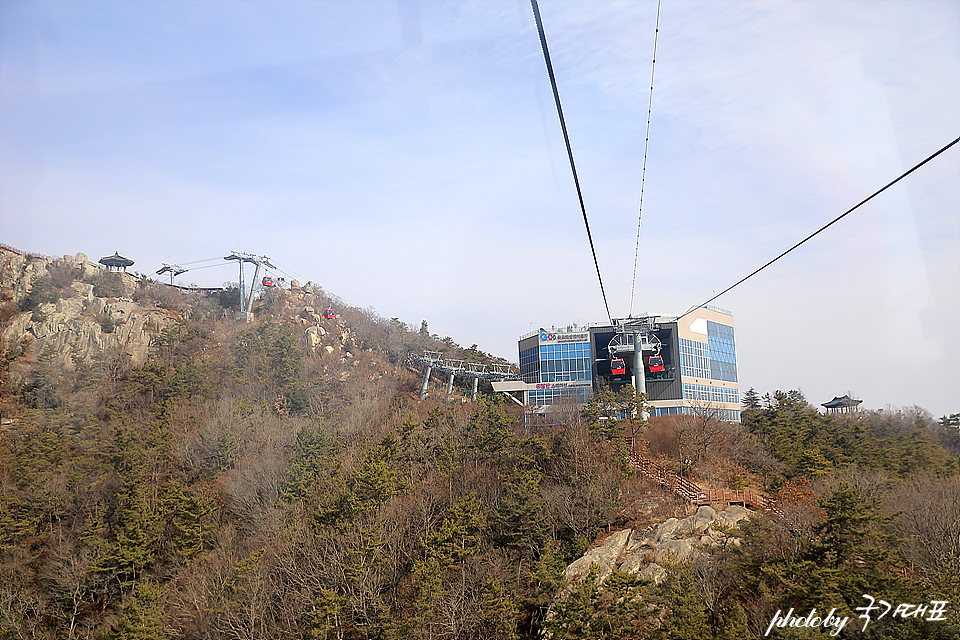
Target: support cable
<point>566,140</point>
<point>292,274</point>
<point>206,266</point>
<point>218,258</point>
<point>844,214</point>
<point>646,146</point>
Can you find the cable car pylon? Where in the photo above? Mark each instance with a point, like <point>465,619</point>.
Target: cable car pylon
<point>173,269</point>
<point>246,301</point>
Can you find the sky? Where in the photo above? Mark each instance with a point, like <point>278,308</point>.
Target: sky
<point>407,156</point>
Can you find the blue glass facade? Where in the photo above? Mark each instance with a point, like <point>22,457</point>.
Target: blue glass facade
<point>710,394</point>
<point>694,358</point>
<point>723,352</point>
<point>715,359</point>
<point>530,365</point>
<point>729,415</point>
<point>565,362</point>
<point>559,365</point>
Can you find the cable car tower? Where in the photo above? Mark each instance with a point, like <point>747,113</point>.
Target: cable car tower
<point>246,301</point>
<point>173,269</point>
<point>635,336</point>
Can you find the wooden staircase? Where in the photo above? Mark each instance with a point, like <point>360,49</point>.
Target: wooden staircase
<point>671,480</point>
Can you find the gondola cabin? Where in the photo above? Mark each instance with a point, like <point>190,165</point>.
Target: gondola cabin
<point>268,281</point>
<point>328,314</point>
<point>618,367</point>
<point>655,363</point>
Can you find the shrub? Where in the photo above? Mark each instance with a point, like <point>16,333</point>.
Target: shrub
<point>107,325</point>
<point>107,285</point>
<point>38,294</point>
<point>230,297</point>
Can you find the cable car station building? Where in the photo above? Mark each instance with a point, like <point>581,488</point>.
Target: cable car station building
<point>689,363</point>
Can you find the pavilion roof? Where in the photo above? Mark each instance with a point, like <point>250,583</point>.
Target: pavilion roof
<point>844,401</point>
<point>116,260</point>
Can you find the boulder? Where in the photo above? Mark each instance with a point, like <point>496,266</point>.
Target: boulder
<point>606,557</point>
<point>636,562</point>
<point>653,572</point>
<point>645,552</point>
<point>674,550</point>
<point>733,515</point>
<point>666,530</point>
<point>312,337</point>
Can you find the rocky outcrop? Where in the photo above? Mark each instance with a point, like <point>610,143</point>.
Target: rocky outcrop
<point>88,320</point>
<point>646,552</point>
<point>79,326</point>
<point>75,330</point>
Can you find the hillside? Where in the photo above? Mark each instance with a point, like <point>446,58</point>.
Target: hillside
<point>171,472</point>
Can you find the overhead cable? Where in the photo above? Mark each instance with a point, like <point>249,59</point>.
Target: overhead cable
<point>280,268</point>
<point>207,266</point>
<point>199,261</point>
<point>850,210</point>
<point>646,146</point>
<point>566,140</point>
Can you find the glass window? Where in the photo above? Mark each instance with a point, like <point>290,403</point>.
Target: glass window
<point>565,362</point>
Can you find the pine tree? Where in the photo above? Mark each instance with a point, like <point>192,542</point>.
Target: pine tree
<point>185,520</point>
<point>311,463</point>
<point>498,611</point>
<point>325,619</point>
<point>520,512</point>
<point>614,609</point>
<point>688,618</point>
<point>143,617</point>
<point>135,526</point>
<point>459,534</point>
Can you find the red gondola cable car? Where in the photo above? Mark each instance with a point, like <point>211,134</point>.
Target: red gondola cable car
<point>328,314</point>
<point>267,281</point>
<point>656,363</point>
<point>618,367</point>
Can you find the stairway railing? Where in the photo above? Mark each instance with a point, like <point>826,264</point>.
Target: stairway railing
<point>669,479</point>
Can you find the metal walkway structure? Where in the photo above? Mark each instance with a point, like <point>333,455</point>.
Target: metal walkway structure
<point>434,360</point>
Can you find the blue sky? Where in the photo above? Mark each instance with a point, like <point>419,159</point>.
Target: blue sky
<point>407,156</point>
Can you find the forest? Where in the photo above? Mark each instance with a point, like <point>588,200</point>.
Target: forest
<point>240,484</point>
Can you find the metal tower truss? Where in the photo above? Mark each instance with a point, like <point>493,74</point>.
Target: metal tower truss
<point>173,269</point>
<point>454,367</point>
<point>631,329</point>
<point>246,301</point>
<point>636,324</point>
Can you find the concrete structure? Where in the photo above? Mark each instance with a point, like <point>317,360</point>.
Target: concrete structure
<point>698,353</point>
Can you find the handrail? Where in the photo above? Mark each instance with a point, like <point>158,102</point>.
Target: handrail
<point>689,490</point>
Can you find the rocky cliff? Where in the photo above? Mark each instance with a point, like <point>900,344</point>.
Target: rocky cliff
<point>69,312</point>
<point>54,309</point>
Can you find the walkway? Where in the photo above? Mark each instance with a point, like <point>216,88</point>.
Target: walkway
<point>671,480</point>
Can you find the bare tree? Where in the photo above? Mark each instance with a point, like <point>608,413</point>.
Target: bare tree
<point>71,579</point>
<point>929,519</point>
